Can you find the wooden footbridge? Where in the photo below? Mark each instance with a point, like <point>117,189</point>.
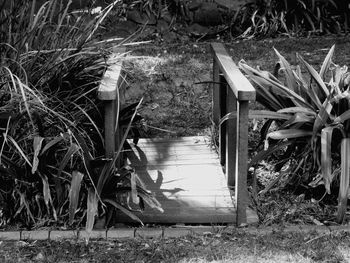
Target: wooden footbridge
<point>193,183</point>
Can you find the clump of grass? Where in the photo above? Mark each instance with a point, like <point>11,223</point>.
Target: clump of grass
<point>50,67</point>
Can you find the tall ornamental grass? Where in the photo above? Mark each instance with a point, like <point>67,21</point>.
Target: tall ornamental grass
<point>51,166</point>
<point>308,119</point>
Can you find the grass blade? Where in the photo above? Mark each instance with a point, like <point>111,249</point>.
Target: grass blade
<point>344,179</point>
<point>92,204</point>
<point>315,76</point>
<point>326,63</point>
<point>70,152</point>
<point>326,157</point>
<point>291,81</point>
<point>74,192</point>
<point>288,134</point>
<point>19,150</point>
<point>37,143</point>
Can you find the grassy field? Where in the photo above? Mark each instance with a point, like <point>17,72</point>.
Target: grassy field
<point>225,246</point>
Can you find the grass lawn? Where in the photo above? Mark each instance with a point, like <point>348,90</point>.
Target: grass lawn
<point>210,247</point>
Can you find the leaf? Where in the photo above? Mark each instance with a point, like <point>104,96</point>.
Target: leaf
<point>343,117</point>
<point>70,152</point>
<point>344,179</point>
<point>19,150</point>
<point>47,195</point>
<point>326,157</point>
<point>74,192</point>
<point>265,153</point>
<point>261,79</point>
<point>134,196</point>
<point>92,203</point>
<point>326,63</point>
<point>291,81</point>
<point>288,134</point>
<point>52,143</point>
<point>123,209</point>
<point>315,76</point>
<point>37,143</point>
<point>298,110</point>
<point>151,201</point>
<point>257,114</point>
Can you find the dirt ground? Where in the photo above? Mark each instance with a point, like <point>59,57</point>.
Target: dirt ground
<point>173,78</point>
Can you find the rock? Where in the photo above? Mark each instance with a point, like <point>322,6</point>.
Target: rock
<point>141,18</point>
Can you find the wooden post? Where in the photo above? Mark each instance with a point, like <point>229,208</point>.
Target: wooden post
<point>231,140</point>
<point>109,119</point>
<point>241,194</point>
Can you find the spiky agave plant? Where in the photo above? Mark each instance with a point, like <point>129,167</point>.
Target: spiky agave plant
<point>49,115</point>
<point>312,119</point>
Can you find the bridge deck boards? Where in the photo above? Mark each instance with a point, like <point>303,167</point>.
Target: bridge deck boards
<point>186,177</point>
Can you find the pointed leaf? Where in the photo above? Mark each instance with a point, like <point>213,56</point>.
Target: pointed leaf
<point>288,134</point>
<point>326,157</point>
<point>343,117</point>
<point>291,81</point>
<point>51,144</point>
<point>134,196</point>
<point>298,110</point>
<point>19,149</point>
<point>74,192</point>
<point>327,63</point>
<point>91,212</point>
<point>315,76</point>
<point>37,143</point>
<point>265,153</point>
<point>70,152</point>
<point>344,180</point>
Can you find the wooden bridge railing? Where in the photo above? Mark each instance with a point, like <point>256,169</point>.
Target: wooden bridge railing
<point>108,92</point>
<point>232,93</point>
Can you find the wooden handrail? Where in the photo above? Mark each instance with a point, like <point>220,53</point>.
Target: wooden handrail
<point>108,92</point>
<point>232,93</point>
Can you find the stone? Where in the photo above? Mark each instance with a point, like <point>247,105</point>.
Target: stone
<point>118,233</point>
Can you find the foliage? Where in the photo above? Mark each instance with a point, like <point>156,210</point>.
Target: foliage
<point>268,17</point>
<point>312,120</point>
<point>51,171</point>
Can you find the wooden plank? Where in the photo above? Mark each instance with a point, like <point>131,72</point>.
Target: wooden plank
<point>110,82</point>
<point>203,215</point>
<point>241,192</point>
<point>216,93</point>
<point>231,141</point>
<point>191,188</point>
<point>239,84</point>
<point>222,128</point>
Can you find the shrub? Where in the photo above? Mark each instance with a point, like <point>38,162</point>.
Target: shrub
<point>311,119</point>
<point>269,17</point>
<point>51,143</point>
